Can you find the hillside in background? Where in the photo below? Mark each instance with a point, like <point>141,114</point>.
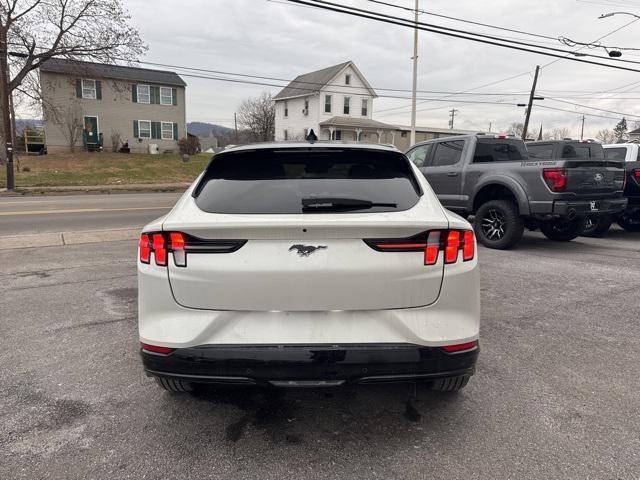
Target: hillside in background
<point>21,123</point>
<point>204,128</point>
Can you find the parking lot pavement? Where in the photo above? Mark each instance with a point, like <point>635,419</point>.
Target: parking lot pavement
<point>555,395</point>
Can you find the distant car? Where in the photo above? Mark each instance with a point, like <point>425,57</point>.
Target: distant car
<point>309,265</point>
<point>507,185</point>
<point>629,153</point>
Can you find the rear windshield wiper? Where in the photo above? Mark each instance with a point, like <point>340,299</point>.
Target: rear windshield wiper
<point>314,204</point>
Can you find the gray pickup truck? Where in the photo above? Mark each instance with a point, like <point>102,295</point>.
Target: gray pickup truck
<point>495,179</point>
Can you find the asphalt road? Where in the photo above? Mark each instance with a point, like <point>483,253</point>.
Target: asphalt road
<point>40,214</point>
<point>556,394</point>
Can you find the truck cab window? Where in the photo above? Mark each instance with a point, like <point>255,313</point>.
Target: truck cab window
<point>448,153</point>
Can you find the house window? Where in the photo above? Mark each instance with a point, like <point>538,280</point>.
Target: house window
<point>347,79</point>
<point>327,104</point>
<point>347,103</point>
<point>144,129</point>
<point>286,135</point>
<point>144,94</point>
<point>166,96</point>
<point>337,135</point>
<point>167,131</point>
<point>286,109</point>
<point>365,104</point>
<point>306,106</point>
<point>89,89</point>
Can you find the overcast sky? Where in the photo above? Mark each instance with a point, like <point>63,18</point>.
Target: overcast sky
<point>273,39</point>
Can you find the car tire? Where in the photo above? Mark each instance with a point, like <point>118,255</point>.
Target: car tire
<point>173,385</point>
<point>498,224</point>
<point>597,226</point>
<point>562,229</point>
<point>631,223</point>
<point>450,384</point>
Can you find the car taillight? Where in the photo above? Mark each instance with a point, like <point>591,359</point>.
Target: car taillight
<point>144,246</point>
<point>556,178</point>
<point>460,347</point>
<point>156,349</point>
<point>451,242</point>
<point>180,244</point>
<point>636,174</point>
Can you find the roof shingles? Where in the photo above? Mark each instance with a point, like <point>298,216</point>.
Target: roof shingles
<point>309,83</point>
<point>119,72</point>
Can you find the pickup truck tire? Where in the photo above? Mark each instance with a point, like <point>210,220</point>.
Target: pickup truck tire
<point>597,226</point>
<point>630,222</point>
<point>173,385</point>
<point>563,229</point>
<point>498,224</point>
<point>450,384</point>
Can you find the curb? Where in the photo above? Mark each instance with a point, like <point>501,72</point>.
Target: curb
<point>62,239</point>
<point>95,189</point>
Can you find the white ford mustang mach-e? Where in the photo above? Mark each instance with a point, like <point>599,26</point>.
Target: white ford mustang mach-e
<point>309,264</point>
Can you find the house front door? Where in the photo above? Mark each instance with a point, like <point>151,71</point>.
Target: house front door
<point>91,129</point>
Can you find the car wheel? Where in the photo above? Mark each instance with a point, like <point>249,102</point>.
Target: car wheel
<point>450,384</point>
<point>563,229</point>
<point>596,226</point>
<point>173,385</point>
<point>498,224</point>
<point>630,221</point>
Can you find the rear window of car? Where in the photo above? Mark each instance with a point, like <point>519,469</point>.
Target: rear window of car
<point>499,150</point>
<point>287,181</point>
<point>582,150</point>
<point>619,153</point>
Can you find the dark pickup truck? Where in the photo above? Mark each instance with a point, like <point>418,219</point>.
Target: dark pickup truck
<point>554,187</point>
<point>629,153</point>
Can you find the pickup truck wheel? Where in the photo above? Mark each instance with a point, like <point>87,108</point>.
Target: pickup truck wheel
<point>597,226</point>
<point>173,385</point>
<point>498,224</point>
<point>450,384</point>
<point>563,229</point>
<point>630,222</point>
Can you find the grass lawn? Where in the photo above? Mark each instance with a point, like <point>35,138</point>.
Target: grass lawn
<point>104,168</point>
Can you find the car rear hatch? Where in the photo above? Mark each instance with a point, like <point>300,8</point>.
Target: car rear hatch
<point>300,232</point>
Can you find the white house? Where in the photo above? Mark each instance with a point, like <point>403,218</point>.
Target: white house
<point>336,102</point>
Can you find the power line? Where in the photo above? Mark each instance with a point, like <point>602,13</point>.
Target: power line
<point>464,20</point>
<point>456,33</point>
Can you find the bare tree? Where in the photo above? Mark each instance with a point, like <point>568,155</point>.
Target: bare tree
<point>606,136</point>
<point>557,133</point>
<point>116,140</point>
<point>258,116</point>
<point>70,118</point>
<point>516,129</point>
<point>38,30</point>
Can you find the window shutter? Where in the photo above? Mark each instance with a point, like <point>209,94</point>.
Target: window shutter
<point>79,88</point>
<point>174,95</point>
<point>175,130</point>
<point>156,130</point>
<point>155,95</point>
<point>134,93</point>
<point>135,129</point>
<point>98,89</point>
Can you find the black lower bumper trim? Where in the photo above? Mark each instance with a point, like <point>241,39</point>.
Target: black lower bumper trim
<point>309,365</point>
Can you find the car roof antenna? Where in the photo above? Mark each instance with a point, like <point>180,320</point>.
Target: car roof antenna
<point>312,137</point>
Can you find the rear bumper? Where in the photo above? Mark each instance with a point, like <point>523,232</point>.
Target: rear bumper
<point>309,365</point>
<point>589,207</point>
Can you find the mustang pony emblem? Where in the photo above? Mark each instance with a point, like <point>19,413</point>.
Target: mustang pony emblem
<point>305,250</point>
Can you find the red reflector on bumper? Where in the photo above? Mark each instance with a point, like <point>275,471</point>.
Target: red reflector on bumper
<point>157,349</point>
<point>460,347</point>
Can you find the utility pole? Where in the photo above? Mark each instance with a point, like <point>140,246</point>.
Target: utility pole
<point>582,130</point>
<point>4,107</point>
<point>489,127</point>
<point>415,77</point>
<point>235,121</point>
<point>532,97</point>
<point>453,112</point>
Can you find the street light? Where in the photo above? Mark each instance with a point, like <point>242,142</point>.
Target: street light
<point>611,14</point>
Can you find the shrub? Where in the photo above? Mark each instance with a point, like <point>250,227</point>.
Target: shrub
<point>189,145</point>
<point>26,169</point>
